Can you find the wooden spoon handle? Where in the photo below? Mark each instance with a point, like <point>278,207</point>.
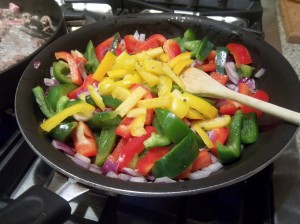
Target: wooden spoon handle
<point>277,111</point>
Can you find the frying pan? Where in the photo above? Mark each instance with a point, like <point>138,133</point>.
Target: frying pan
<point>280,81</point>
<point>9,77</point>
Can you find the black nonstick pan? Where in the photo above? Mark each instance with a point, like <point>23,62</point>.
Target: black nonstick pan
<point>280,81</point>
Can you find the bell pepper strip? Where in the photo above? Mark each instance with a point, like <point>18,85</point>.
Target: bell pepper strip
<point>61,71</point>
<point>134,146</point>
<point>218,135</point>
<point>153,66</point>
<point>123,129</point>
<point>246,71</point>
<point>157,140</point>
<point>115,42</point>
<point>161,39</point>
<point>131,101</point>
<point>172,48</point>
<point>91,57</point>
<point>203,160</point>
<point>228,108</point>
<point>203,135</point>
<point>102,48</point>
<point>189,35</point>
<point>63,131</point>
<point>192,46</point>
<point>178,68</point>
<point>61,103</point>
<point>104,119</point>
<point>131,43</point>
<point>204,49</point>
<point>108,101</point>
<point>106,141</point>
<point>137,126</point>
<point>221,57</point>
<point>179,108</point>
<point>181,57</point>
<point>147,45</point>
<point>135,112</point>
<point>56,119</point>
<point>145,164</point>
<point>200,105</point>
<point>84,140</point>
<point>57,91</point>
<point>148,77</point>
<point>43,102</point>
<point>240,53</point>
<point>106,64</point>
<point>259,94</point>
<point>169,72</point>
<point>74,71</point>
<point>89,80</point>
<point>178,159</point>
<point>250,131</point>
<point>158,102</point>
<point>194,115</point>
<point>244,89</point>
<point>231,151</point>
<point>211,124</point>
<point>221,78</point>
<point>209,67</point>
<point>164,87</point>
<point>96,97</point>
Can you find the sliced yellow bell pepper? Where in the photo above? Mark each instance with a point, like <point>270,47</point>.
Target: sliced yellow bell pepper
<point>179,108</point>
<point>194,115</point>
<point>131,101</point>
<point>168,72</point>
<point>137,126</point>
<point>178,68</point>
<point>105,65</point>
<point>158,102</point>
<point>218,122</point>
<point>84,108</point>
<point>130,79</point>
<point>164,57</point>
<point>153,66</point>
<point>117,73</point>
<point>106,86</point>
<point>135,112</point>
<point>203,135</point>
<point>178,58</point>
<point>155,52</point>
<point>125,61</point>
<point>164,86</point>
<point>96,97</point>
<point>200,105</point>
<point>120,93</point>
<point>148,77</point>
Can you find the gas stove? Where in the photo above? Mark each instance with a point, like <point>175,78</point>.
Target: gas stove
<point>250,201</point>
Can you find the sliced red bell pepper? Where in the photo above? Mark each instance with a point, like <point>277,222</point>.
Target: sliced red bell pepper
<point>172,48</point>
<point>148,95</point>
<point>209,67</point>
<point>145,164</point>
<point>184,174</point>
<point>159,37</point>
<point>259,94</point>
<point>134,146</point>
<point>221,78</point>
<point>123,129</point>
<point>114,156</point>
<point>84,140</point>
<point>146,45</point>
<point>89,80</point>
<point>228,108</point>
<point>131,43</point>
<point>244,89</point>
<point>212,56</point>
<point>74,71</point>
<point>103,47</point>
<point>203,160</point>
<point>240,53</point>
<point>218,135</point>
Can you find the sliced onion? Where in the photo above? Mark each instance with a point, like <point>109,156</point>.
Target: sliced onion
<point>64,147</point>
<point>36,64</point>
<point>213,167</point>
<point>13,8</point>
<point>150,177</point>
<point>249,82</point>
<point>231,72</point>
<point>82,117</point>
<point>164,180</point>
<point>136,35</point>
<point>109,166</point>
<point>142,37</point>
<point>112,174</point>
<point>50,82</point>
<point>123,176</point>
<point>199,174</point>
<point>138,179</point>
<point>95,168</point>
<point>260,73</point>
<point>81,160</point>
<point>131,172</point>
<point>232,87</point>
<point>213,158</point>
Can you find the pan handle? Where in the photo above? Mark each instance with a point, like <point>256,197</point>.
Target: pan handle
<point>40,205</point>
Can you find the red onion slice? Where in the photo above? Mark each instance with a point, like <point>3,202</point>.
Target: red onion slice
<point>109,166</point>
<point>64,147</point>
<point>81,160</point>
<point>199,174</point>
<point>95,168</point>
<point>260,73</point>
<point>131,172</point>
<point>231,72</point>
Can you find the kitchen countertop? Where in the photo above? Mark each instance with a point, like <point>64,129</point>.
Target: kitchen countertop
<point>286,178</point>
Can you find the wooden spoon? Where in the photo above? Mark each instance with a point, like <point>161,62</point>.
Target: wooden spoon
<point>198,82</point>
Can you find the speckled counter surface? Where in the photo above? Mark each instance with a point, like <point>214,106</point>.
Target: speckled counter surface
<point>290,51</point>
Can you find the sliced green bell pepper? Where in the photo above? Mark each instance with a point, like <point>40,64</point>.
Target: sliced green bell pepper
<point>246,71</point>
<point>108,100</point>
<point>61,71</point>
<point>189,34</point>
<point>43,102</point>
<point>115,42</point>
<point>106,141</point>
<point>157,140</point>
<point>57,91</point>
<point>250,131</point>
<point>178,159</point>
<point>91,57</point>
<point>232,150</point>
<point>104,119</point>
<point>221,56</point>
<point>204,49</point>
<point>63,131</point>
